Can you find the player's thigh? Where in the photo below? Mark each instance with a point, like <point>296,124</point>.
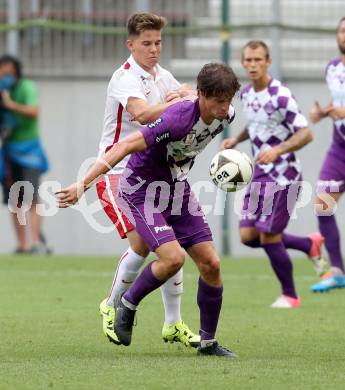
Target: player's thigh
<point>276,211</point>
<point>190,224</point>
<point>205,257</point>
<point>331,182</point>
<point>325,202</point>
<point>137,243</point>
<point>248,233</point>
<point>171,253</point>
<point>151,225</point>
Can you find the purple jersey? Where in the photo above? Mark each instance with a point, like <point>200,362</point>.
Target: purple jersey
<point>335,78</point>
<point>173,141</point>
<point>273,117</point>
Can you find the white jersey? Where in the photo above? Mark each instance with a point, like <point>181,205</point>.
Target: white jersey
<point>130,80</point>
<point>335,77</point>
<point>273,116</point>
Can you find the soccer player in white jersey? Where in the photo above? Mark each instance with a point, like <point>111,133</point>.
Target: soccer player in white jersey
<point>138,93</point>
<point>331,183</point>
<point>276,129</point>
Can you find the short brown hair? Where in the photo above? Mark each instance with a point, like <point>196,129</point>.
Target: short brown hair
<point>254,44</point>
<point>217,80</point>
<point>140,22</point>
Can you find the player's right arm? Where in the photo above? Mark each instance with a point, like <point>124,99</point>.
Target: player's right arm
<point>128,90</point>
<point>143,113</point>
<point>231,142</point>
<point>133,143</point>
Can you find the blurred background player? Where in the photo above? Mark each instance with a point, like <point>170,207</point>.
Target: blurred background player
<point>25,159</point>
<point>276,129</point>
<point>166,150</point>
<point>332,175</point>
<point>137,94</point>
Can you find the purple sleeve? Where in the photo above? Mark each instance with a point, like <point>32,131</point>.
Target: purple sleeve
<point>168,127</point>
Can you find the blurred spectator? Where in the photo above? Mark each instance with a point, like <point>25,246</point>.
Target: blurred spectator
<point>24,157</point>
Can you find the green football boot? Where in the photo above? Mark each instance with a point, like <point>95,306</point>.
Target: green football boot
<point>179,332</point>
<point>108,318</point>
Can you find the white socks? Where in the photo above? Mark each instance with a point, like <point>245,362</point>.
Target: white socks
<point>171,292</point>
<point>126,272</point>
<point>128,269</point>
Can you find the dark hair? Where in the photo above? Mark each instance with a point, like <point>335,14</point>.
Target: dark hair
<point>254,44</point>
<point>340,22</point>
<point>8,59</point>
<point>217,80</point>
<point>140,22</point>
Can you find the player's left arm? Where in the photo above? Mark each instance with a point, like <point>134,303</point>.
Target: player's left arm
<point>301,138</point>
<point>133,143</point>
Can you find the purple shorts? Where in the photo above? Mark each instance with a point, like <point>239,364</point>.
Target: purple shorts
<point>157,222</point>
<point>332,174</point>
<point>268,206</point>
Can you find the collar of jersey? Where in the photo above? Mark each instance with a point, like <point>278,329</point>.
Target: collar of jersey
<point>140,71</point>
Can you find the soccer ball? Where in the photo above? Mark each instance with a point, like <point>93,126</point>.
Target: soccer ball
<point>231,170</point>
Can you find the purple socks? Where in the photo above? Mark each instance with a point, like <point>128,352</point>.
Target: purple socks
<point>282,266</point>
<point>329,229</point>
<point>145,283</point>
<point>210,302</point>
<point>290,241</point>
<point>302,244</point>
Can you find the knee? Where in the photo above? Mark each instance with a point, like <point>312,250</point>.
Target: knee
<point>210,267</point>
<point>175,261</point>
<point>140,250</point>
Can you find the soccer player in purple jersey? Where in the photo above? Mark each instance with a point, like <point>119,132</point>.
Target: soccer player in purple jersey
<point>331,183</point>
<point>173,220</point>
<point>276,129</point>
<point>137,94</point>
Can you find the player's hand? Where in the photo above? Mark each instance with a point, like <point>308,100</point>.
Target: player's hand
<point>229,143</point>
<point>70,195</point>
<point>317,113</point>
<point>184,91</point>
<point>172,95</point>
<point>337,113</point>
<point>267,156</point>
<point>190,97</point>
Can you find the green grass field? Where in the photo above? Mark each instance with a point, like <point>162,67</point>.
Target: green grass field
<point>51,332</point>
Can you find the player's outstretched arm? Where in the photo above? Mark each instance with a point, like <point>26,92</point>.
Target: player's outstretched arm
<point>133,143</point>
<point>301,138</point>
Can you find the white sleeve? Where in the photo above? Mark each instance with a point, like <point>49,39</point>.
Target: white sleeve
<point>122,86</point>
<point>173,84</point>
